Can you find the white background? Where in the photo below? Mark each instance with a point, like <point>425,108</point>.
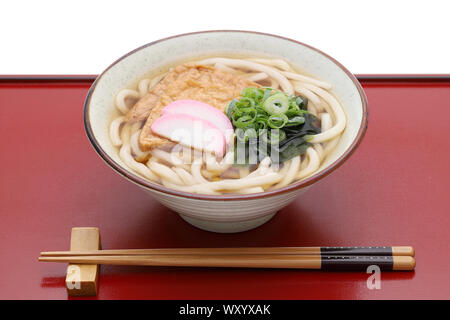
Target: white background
<point>84,37</point>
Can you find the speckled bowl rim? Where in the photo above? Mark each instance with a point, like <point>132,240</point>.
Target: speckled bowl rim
<point>297,185</point>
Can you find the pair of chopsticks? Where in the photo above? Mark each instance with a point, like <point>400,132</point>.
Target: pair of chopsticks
<point>322,258</point>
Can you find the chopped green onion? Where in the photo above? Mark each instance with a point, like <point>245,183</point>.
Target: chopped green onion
<point>277,121</point>
<point>295,121</point>
<point>244,118</point>
<point>253,93</point>
<point>274,136</point>
<point>267,93</point>
<point>243,121</point>
<point>277,118</point>
<point>262,124</point>
<point>276,104</point>
<point>246,102</point>
<point>245,135</point>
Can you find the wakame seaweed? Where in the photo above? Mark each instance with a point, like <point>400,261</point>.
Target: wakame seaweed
<point>296,143</point>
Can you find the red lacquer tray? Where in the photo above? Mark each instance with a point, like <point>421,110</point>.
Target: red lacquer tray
<point>394,190</point>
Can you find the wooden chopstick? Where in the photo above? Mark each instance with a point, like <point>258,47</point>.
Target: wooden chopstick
<point>334,251</point>
<point>321,262</point>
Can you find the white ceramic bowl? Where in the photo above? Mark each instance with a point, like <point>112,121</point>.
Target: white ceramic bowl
<point>231,213</point>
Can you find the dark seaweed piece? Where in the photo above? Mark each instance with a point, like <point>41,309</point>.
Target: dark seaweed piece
<point>295,143</point>
<point>293,148</point>
<point>302,102</point>
<point>310,126</point>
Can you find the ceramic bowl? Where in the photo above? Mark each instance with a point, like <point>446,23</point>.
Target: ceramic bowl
<point>230,213</point>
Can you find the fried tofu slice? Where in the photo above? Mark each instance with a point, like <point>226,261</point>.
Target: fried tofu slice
<point>187,81</point>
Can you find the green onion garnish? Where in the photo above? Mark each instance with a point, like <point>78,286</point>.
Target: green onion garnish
<point>277,121</point>
<point>276,104</point>
<point>280,120</point>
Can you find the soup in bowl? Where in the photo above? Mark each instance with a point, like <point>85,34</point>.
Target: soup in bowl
<point>225,127</point>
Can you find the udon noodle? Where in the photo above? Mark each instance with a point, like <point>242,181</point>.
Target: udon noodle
<point>202,172</point>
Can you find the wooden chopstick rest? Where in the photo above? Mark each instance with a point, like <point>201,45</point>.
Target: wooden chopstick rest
<point>82,279</point>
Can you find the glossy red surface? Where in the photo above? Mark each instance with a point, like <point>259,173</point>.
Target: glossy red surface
<point>394,190</point>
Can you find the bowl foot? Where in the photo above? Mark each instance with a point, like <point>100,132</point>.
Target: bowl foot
<point>227,226</point>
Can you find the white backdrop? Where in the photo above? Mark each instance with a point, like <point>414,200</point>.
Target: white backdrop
<point>84,37</point>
